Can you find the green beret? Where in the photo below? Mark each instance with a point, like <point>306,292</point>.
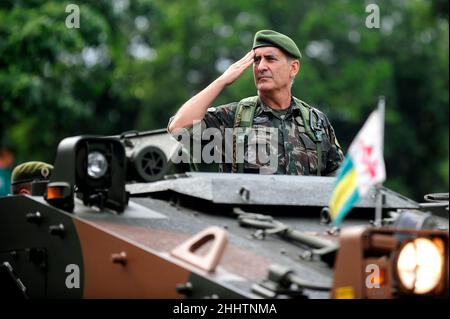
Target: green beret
<point>29,171</point>
<point>264,38</point>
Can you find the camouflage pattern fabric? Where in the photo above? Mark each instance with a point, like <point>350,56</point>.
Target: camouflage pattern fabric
<point>297,153</point>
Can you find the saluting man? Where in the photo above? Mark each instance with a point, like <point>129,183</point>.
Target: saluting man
<point>306,142</point>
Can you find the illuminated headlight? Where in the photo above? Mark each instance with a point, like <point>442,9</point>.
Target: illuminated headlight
<point>97,164</point>
<point>420,265</point>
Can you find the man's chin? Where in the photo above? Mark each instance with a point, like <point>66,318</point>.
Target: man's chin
<point>264,87</point>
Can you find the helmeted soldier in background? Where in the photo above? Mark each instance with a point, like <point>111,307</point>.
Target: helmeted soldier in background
<point>307,144</point>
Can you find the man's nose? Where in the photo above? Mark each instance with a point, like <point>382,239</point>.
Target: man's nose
<point>262,65</point>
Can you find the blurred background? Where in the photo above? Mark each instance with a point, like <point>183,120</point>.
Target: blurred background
<point>132,63</point>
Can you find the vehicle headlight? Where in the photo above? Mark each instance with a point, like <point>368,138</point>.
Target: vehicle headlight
<point>92,168</point>
<point>387,262</point>
<point>420,265</point>
<point>97,164</point>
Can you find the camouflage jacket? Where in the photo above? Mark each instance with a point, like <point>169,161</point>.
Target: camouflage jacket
<point>296,152</point>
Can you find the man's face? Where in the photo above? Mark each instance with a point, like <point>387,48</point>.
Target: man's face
<point>272,70</point>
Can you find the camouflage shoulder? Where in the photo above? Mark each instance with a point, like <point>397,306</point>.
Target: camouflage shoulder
<point>226,108</point>
<point>322,115</point>
<point>302,103</point>
<point>315,109</point>
<point>221,116</point>
<point>309,107</point>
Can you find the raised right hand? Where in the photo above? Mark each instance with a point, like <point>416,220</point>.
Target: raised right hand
<point>235,70</point>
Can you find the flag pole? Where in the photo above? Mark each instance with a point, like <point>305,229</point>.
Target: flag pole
<point>378,194</point>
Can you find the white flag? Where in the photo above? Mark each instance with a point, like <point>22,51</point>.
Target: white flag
<point>366,153</point>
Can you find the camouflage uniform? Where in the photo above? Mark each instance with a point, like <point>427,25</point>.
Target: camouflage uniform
<point>297,153</point>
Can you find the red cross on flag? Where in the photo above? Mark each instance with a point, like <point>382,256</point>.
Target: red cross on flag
<point>366,152</point>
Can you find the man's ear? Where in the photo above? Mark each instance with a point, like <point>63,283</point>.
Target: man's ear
<point>24,191</point>
<point>295,67</point>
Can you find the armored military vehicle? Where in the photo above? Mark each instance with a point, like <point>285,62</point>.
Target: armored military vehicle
<point>118,219</point>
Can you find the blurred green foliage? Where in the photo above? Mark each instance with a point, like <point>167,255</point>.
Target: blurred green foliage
<point>131,64</point>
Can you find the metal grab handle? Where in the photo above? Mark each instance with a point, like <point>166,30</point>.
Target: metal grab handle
<point>186,251</point>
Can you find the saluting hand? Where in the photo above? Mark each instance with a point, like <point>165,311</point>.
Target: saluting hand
<point>235,70</point>
<point>195,108</point>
